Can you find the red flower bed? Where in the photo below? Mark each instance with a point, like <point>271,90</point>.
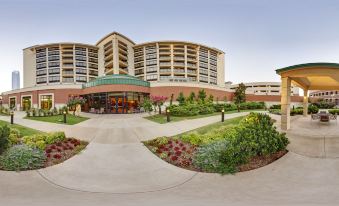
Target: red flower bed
<point>175,152</point>
<point>63,150</point>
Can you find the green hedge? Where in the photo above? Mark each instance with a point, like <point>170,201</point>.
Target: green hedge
<point>334,111</point>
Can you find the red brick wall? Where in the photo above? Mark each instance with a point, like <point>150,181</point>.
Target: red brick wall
<point>60,95</point>
<point>169,90</point>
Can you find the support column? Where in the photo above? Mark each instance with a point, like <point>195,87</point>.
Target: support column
<point>285,102</point>
<point>305,103</point>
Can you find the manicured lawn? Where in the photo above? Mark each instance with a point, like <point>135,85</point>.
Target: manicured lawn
<point>71,119</point>
<point>162,119</point>
<point>25,131</point>
<point>207,128</point>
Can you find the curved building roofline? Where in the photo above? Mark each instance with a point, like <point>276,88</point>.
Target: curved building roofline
<point>117,33</point>
<point>58,43</point>
<point>177,41</point>
<point>308,65</point>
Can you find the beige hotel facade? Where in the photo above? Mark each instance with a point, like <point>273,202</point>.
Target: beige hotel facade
<point>116,74</point>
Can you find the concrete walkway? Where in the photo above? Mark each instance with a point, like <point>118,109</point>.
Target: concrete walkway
<point>116,169</point>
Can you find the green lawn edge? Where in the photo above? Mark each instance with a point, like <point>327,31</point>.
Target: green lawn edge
<point>161,119</point>
<point>24,131</point>
<point>58,119</point>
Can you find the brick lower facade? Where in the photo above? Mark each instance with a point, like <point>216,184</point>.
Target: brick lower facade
<point>61,96</point>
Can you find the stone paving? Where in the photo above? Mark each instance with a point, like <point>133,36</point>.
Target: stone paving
<point>116,169</point>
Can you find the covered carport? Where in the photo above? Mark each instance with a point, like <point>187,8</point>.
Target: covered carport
<point>311,76</point>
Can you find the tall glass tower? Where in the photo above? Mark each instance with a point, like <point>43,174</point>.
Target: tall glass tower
<point>15,80</point>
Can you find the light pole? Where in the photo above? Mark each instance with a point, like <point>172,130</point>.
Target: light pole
<point>65,117</point>
<point>168,115</point>
<point>222,115</point>
<point>12,117</point>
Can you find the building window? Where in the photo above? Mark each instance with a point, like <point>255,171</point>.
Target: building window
<point>46,102</point>
<point>53,79</point>
<point>12,102</point>
<point>26,103</point>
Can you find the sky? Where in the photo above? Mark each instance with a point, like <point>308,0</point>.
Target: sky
<point>257,36</point>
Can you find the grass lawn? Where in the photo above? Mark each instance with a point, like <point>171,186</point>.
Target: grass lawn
<point>25,131</point>
<point>228,122</point>
<point>71,119</point>
<point>162,119</point>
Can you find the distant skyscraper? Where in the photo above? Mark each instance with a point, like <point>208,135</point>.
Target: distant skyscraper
<point>15,80</point>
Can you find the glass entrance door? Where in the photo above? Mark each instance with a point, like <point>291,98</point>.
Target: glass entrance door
<point>118,104</point>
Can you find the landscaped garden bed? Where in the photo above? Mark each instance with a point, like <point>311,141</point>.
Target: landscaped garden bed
<point>237,145</point>
<point>36,150</point>
<point>192,108</point>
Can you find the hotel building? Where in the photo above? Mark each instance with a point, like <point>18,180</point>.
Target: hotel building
<point>115,74</point>
<point>327,96</point>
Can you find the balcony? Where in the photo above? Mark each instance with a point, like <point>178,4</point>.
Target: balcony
<point>109,64</point>
<point>191,65</point>
<point>179,71</point>
<point>68,65</point>
<point>122,51</point>
<point>178,58</point>
<point>67,73</point>
<point>165,63</point>
<point>169,71</point>
<point>165,58</point>
<point>122,57</point>
<point>178,64</point>
<point>110,50</point>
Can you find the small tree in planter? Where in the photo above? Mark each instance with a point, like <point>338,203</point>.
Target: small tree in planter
<point>239,95</point>
<point>191,98</point>
<point>147,105</point>
<point>158,101</point>
<point>74,102</point>
<point>202,95</point>
<point>181,98</point>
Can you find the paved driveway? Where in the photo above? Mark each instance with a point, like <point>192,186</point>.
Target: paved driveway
<point>116,169</point>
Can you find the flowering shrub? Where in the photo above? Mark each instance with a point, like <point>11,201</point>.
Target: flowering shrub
<point>174,151</point>
<point>158,101</point>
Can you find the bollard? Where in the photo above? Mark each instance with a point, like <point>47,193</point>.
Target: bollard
<point>222,115</point>
<point>12,117</point>
<point>168,115</point>
<point>65,117</point>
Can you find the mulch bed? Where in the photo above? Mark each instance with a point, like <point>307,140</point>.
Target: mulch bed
<point>260,161</point>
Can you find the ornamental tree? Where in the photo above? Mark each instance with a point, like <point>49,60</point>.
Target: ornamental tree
<point>202,95</point>
<point>74,101</point>
<point>181,98</point>
<point>158,101</point>
<point>239,95</point>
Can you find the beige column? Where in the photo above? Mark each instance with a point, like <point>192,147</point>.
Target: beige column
<point>285,102</point>
<point>305,102</point>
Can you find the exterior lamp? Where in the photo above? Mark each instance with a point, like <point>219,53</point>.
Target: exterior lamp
<point>168,115</point>
<point>222,115</point>
<point>12,117</point>
<point>65,120</point>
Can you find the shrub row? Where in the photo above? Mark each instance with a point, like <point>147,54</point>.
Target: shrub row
<point>41,140</point>
<point>208,108</point>
<point>43,112</point>
<point>334,111</point>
